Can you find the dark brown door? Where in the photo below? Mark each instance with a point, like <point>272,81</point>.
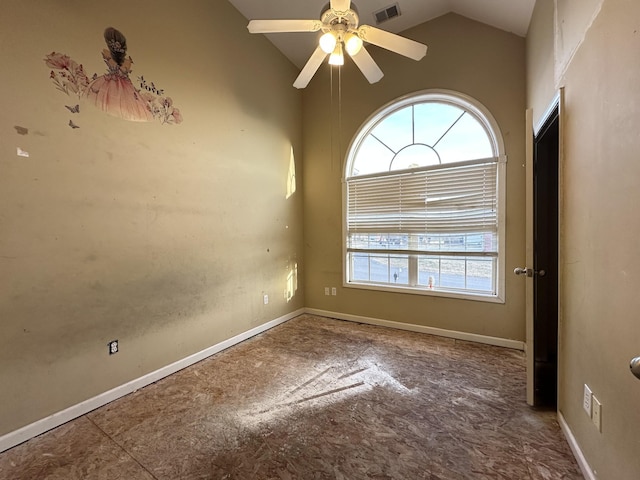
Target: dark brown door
<point>545,262</point>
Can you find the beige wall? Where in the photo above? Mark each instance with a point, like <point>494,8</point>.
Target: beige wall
<point>572,20</point>
<point>465,56</point>
<point>600,301</point>
<point>599,236</point>
<point>164,237</point>
<point>541,85</point>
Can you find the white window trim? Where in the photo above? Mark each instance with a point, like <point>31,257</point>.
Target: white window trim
<point>495,134</point>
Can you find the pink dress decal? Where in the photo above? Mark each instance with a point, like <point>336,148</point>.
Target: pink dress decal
<point>113,92</point>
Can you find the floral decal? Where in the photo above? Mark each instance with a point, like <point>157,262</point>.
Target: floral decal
<point>113,92</point>
<point>67,75</point>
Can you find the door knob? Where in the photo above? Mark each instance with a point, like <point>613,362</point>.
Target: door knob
<point>635,366</point>
<point>529,272</point>
<point>523,271</point>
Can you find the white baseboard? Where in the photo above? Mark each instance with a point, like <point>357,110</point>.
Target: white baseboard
<point>471,337</point>
<point>23,434</point>
<point>575,448</point>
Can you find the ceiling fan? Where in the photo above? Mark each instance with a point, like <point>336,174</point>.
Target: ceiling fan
<point>339,24</point>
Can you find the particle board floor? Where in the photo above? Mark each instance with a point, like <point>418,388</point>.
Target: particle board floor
<point>316,398</point>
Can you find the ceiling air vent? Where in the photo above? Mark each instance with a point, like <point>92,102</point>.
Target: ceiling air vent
<point>387,13</point>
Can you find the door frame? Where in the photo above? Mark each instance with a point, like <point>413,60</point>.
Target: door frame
<point>531,133</point>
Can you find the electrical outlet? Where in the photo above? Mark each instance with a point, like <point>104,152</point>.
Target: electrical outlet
<point>326,290</point>
<point>113,347</point>
<point>586,399</point>
<point>596,416</point>
<point>334,292</point>
<point>265,299</point>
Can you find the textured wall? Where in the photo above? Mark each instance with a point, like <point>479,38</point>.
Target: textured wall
<point>465,56</point>
<point>599,246</point>
<point>164,237</point>
<point>572,20</point>
<point>599,222</point>
<point>541,85</point>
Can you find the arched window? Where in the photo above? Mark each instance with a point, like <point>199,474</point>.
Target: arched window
<point>424,199</point>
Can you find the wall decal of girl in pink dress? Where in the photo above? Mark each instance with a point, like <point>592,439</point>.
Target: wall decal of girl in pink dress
<point>113,92</point>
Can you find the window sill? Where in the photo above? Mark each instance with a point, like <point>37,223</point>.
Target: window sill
<point>477,297</point>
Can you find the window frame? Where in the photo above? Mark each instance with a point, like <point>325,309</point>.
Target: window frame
<point>482,114</point>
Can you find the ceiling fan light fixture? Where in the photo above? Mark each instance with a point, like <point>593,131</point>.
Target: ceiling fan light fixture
<point>340,29</point>
<point>352,43</point>
<point>328,42</point>
<point>337,57</point>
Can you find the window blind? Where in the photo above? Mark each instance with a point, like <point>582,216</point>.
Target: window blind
<point>454,199</point>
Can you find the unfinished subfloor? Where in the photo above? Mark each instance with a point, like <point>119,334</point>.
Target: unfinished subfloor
<point>316,398</point>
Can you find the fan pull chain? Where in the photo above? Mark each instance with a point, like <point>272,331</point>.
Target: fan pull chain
<point>335,150</point>
<point>331,120</point>
<point>339,115</point>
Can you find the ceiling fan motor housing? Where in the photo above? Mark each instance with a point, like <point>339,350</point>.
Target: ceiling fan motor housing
<point>334,19</point>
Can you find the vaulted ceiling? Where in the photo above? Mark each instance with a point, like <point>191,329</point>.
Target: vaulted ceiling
<point>509,15</point>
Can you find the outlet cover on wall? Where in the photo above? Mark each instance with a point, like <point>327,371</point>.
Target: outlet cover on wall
<point>113,347</point>
<point>596,409</point>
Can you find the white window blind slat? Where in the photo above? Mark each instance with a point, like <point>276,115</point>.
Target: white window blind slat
<point>459,199</point>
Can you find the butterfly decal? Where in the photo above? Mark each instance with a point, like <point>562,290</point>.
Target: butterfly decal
<point>75,109</point>
<point>73,125</point>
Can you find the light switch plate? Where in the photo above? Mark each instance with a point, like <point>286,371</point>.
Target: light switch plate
<point>586,399</point>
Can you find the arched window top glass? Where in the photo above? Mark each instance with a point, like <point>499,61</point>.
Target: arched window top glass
<point>422,130</point>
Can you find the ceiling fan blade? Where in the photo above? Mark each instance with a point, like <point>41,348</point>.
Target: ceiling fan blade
<point>340,5</point>
<point>392,42</point>
<point>310,68</point>
<point>282,26</point>
<point>367,66</point>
